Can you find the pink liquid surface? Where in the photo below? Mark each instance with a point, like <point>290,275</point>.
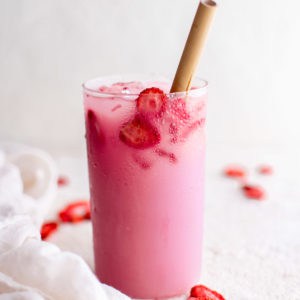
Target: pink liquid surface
<point>147,204</point>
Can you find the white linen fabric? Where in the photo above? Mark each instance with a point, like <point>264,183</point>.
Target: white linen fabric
<point>29,267</point>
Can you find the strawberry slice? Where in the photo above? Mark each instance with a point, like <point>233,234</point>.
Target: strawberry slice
<point>253,192</point>
<point>265,170</point>
<point>151,102</point>
<point>139,133</point>
<point>202,292</point>
<point>48,228</point>
<point>235,171</point>
<point>62,181</point>
<point>75,212</point>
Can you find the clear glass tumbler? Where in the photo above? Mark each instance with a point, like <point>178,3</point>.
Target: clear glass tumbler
<point>146,177</point>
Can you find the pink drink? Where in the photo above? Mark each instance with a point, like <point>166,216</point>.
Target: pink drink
<point>147,199</point>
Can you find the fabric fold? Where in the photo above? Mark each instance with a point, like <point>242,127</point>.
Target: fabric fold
<point>29,267</point>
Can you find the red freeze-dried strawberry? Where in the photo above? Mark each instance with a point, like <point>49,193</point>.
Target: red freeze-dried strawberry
<point>62,181</point>
<point>151,102</point>
<point>139,133</point>
<point>202,292</point>
<point>235,172</point>
<point>48,228</point>
<point>253,191</point>
<point>265,170</point>
<point>75,212</point>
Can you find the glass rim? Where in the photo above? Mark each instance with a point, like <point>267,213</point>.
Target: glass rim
<point>97,93</point>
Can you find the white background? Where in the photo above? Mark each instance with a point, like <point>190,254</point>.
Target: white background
<point>48,48</point>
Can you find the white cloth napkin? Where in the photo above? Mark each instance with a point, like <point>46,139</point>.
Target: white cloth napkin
<point>29,267</point>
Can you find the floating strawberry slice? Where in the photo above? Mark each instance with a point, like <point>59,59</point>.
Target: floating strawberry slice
<point>202,292</point>
<point>75,212</point>
<point>139,133</point>
<point>253,191</point>
<point>151,102</point>
<point>47,229</point>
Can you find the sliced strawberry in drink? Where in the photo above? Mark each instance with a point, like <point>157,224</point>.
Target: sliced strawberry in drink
<point>139,133</point>
<point>151,102</point>
<point>202,292</point>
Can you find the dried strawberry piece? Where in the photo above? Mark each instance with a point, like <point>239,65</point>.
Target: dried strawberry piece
<point>75,212</point>
<point>48,229</point>
<point>202,292</point>
<point>151,102</point>
<point>62,181</point>
<point>235,172</point>
<point>265,170</point>
<point>139,133</point>
<point>253,191</point>
<point>88,215</point>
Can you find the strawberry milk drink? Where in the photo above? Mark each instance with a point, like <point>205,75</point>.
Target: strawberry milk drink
<point>145,151</point>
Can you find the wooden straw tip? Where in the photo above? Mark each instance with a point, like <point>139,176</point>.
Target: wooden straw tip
<point>209,3</point>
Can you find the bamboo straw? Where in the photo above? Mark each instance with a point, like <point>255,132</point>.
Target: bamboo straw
<point>194,46</point>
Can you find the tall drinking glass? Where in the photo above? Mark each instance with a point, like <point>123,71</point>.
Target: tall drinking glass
<point>146,174</point>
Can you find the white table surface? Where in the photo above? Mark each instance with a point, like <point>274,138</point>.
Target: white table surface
<point>251,248</point>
